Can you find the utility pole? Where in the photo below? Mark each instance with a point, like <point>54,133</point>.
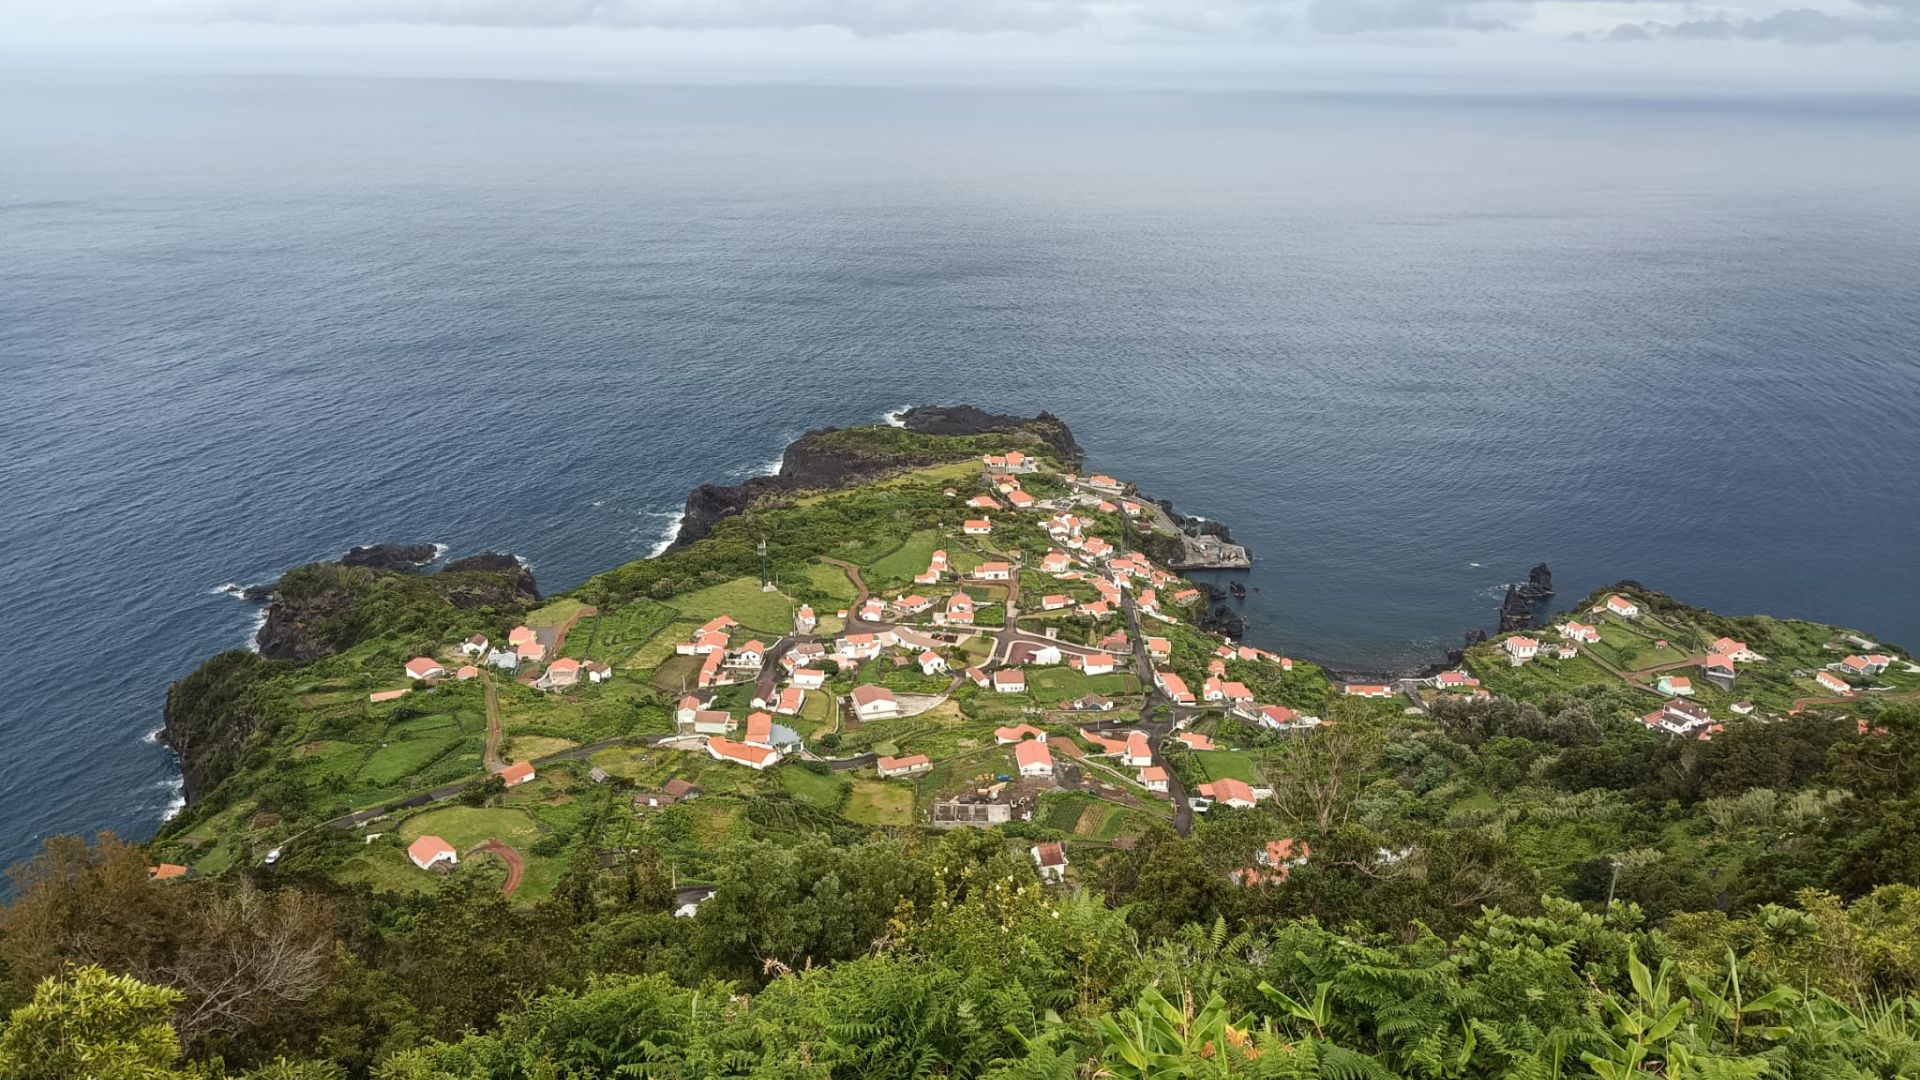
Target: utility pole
<point>765,584</point>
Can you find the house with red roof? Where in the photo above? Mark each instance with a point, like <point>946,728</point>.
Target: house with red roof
<point>424,667</point>
<point>753,757</point>
<point>790,701</point>
<point>533,652</point>
<point>959,610</point>
<point>1051,861</point>
<point>1228,792</point>
<point>1099,609</point>
<point>977,526</point>
<point>759,729</point>
<point>984,502</point>
<point>804,620</point>
<point>1675,685</point>
<point>467,672</point>
<point>858,647</point>
<point>1455,680</point>
<point>1159,648</point>
<point>1520,648</point>
<point>874,702</point>
<point>379,696</point>
<point>521,635</point>
<point>1832,682</point>
<point>873,610</point>
<point>1369,690</point>
<point>1103,746</point>
<point>1103,482</point>
<point>562,673</point>
<point>1174,687</point>
<point>1622,606</point>
<point>993,571</point>
<point>432,853</point>
<point>932,663</point>
<point>712,722</point>
<point>1056,562</point>
<point>1094,663</point>
<point>1020,500</point>
<point>517,773</point>
<point>1010,681</point>
<point>809,678</point>
<point>168,872</point>
<point>1718,668</point>
<point>913,765</point>
<point>1193,740</point>
<point>1004,735</point>
<point>1221,690</point>
<point>1033,758</point>
<point>1138,752</point>
<point>1154,778</point>
<point>1581,632</point>
<point>1733,650</point>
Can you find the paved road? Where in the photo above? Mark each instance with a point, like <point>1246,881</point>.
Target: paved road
<point>1152,701</point>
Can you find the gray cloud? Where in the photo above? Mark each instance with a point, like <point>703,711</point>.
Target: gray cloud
<point>1367,16</point>
<point>1794,26</point>
<point>865,17</point>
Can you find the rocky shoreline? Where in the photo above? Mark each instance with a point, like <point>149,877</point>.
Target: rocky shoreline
<point>812,463</point>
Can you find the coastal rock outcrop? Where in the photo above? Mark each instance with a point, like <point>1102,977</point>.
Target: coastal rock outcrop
<point>390,556</point>
<point>323,608</point>
<point>970,420</point>
<point>1519,609</point>
<point>831,458</point>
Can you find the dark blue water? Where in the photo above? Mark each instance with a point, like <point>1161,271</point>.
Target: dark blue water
<point>1406,347</point>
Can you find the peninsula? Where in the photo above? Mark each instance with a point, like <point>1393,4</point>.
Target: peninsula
<point>937,700</point>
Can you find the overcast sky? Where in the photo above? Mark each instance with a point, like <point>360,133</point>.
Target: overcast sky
<point>1516,45</point>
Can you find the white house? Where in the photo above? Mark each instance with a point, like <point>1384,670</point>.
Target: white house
<point>1622,607</point>
<point>1520,648</point>
<point>809,678</point>
<point>1675,685</point>
<point>1010,681</point>
<point>912,765</point>
<point>993,571</point>
<point>1051,860</point>
<point>804,620</point>
<point>1096,664</point>
<point>874,703</point>
<point>475,645</point>
<point>1033,758</point>
<point>1138,754</point>
<point>429,852</point>
<point>1154,778</point>
<point>1832,682</point>
<point>932,663</point>
<point>421,667</point>
<point>1580,632</point>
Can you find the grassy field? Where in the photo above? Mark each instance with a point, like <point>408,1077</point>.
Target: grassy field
<point>764,612</point>
<point>613,637</point>
<point>881,802</point>
<point>827,791</point>
<point>557,613</point>
<point>908,560</point>
<point>1228,764</point>
<point>831,583</point>
<point>1050,684</point>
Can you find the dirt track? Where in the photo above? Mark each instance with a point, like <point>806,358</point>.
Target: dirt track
<point>516,866</point>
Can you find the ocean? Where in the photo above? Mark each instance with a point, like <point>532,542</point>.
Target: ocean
<point>1406,347</point>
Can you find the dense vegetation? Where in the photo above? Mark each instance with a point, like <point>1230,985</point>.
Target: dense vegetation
<point>1526,884</point>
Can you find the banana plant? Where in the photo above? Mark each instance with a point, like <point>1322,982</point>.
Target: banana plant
<point>1158,1040</point>
<point>1318,1014</point>
<point>1728,1008</point>
<point>1641,1024</point>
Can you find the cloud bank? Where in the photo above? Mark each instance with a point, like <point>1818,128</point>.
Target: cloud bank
<point>1598,21</point>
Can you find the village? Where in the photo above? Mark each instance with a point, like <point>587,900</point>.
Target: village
<point>1014,660</point>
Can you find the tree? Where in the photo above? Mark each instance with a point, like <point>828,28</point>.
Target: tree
<point>92,1025</point>
<point>1318,777</point>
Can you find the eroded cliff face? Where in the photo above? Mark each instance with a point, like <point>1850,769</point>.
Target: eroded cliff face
<point>817,461</point>
<point>322,608</point>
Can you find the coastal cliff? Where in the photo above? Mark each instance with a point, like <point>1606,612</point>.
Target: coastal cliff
<point>828,459</point>
<point>322,608</point>
<point>318,610</point>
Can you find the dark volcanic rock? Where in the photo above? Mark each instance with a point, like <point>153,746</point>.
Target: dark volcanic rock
<point>257,594</point>
<point>389,556</point>
<point>486,560</point>
<point>969,420</point>
<point>1540,582</point>
<point>1224,620</point>
<point>1515,612</point>
<point>1475,636</point>
<point>815,462</point>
